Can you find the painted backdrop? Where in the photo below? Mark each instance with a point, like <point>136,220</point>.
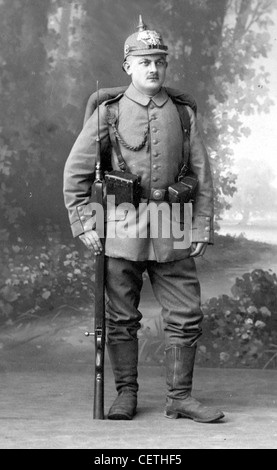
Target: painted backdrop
<point>221,51</point>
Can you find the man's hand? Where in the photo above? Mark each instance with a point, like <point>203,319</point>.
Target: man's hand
<point>92,241</point>
<point>198,249</point>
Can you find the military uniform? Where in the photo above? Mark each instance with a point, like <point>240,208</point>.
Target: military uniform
<point>154,147</point>
<point>158,163</point>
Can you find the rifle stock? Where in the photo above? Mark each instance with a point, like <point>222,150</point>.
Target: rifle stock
<point>99,328</point>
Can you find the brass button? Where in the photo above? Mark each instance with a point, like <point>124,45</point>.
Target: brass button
<point>155,141</point>
<point>155,178</point>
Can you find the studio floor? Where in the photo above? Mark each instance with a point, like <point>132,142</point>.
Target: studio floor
<point>46,402</point>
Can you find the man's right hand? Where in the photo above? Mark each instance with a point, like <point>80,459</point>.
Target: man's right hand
<point>92,241</point>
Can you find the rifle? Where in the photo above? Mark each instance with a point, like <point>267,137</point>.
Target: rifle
<point>99,297</point>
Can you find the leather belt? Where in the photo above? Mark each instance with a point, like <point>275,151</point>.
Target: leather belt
<point>155,194</point>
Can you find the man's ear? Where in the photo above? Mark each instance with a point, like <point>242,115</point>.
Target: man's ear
<point>126,67</point>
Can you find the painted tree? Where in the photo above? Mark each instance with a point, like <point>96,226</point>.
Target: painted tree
<point>30,142</point>
<point>217,44</point>
<point>19,31</point>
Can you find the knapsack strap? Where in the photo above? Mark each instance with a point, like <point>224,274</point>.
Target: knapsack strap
<point>112,119</point>
<point>184,118</point>
<point>185,123</point>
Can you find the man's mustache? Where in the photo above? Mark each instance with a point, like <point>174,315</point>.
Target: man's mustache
<point>154,75</point>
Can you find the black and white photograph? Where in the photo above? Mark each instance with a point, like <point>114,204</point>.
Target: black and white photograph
<point>138,234</point>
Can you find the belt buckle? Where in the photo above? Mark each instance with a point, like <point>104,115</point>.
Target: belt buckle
<point>157,195</point>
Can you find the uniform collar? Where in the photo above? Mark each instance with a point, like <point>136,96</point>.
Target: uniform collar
<point>159,99</point>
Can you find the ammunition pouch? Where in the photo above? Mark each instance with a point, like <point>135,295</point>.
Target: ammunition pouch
<point>184,191</point>
<point>124,186</point>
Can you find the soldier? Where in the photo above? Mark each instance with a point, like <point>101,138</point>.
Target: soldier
<point>144,128</point>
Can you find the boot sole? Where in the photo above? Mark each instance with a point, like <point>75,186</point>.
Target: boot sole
<point>176,415</point>
<point>121,416</point>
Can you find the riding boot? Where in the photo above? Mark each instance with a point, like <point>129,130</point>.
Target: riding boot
<point>179,375</point>
<point>124,361</point>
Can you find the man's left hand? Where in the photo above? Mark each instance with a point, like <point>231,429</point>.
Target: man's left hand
<point>198,249</point>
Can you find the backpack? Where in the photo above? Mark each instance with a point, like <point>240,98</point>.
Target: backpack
<point>180,99</point>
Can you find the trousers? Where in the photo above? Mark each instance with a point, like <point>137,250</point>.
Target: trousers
<point>176,287</point>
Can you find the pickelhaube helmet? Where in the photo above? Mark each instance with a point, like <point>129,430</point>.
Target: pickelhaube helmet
<point>144,42</point>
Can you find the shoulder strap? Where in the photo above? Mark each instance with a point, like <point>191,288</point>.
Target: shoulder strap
<point>112,117</point>
<point>182,101</point>
<point>185,122</point>
<point>184,118</point>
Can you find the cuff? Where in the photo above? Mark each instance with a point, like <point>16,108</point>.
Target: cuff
<point>202,230</point>
<point>86,220</point>
<point>77,229</point>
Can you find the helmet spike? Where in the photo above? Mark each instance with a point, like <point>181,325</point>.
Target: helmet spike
<point>141,26</point>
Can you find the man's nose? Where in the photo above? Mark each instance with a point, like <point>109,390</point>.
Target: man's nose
<point>153,67</point>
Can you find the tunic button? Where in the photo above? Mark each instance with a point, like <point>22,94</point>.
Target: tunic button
<point>155,167</point>
<point>154,129</point>
<point>155,141</point>
<point>155,178</point>
<point>83,218</point>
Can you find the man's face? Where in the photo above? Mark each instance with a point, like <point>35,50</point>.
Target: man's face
<point>148,72</point>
